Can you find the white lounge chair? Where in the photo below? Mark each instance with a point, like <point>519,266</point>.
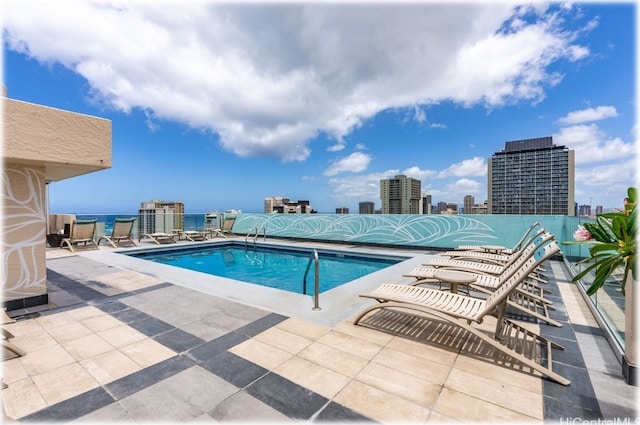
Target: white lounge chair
<point>461,311</point>
<point>121,233</point>
<point>82,232</point>
<point>194,235</point>
<point>515,248</point>
<point>159,237</point>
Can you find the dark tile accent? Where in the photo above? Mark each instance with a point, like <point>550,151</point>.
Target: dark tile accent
<point>151,326</point>
<point>214,347</point>
<point>78,289</point>
<point>135,382</point>
<point>111,306</point>
<point>150,288</point>
<point>131,315</point>
<point>570,355</point>
<point>334,412</point>
<point>580,392</point>
<point>179,340</point>
<point>254,328</point>
<point>557,411</point>
<point>286,397</point>
<point>27,302</point>
<point>591,330</point>
<point>73,408</point>
<point>234,369</point>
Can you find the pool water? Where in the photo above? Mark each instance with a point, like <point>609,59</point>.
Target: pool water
<point>280,268</point>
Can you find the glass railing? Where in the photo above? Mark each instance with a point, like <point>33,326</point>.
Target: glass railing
<point>390,230</point>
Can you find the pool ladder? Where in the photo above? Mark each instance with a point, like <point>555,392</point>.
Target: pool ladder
<point>316,297</point>
<point>256,232</point>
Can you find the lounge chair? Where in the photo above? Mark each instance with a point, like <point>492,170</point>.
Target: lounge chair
<point>516,247</point>
<point>159,237</point>
<point>82,232</point>
<point>121,233</point>
<point>490,257</point>
<point>226,228</point>
<point>527,298</point>
<point>461,311</point>
<point>493,268</point>
<point>194,235</point>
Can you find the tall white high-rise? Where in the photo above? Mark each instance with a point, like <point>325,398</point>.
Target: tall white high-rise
<point>400,195</point>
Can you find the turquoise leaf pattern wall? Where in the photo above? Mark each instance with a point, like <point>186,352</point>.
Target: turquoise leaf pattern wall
<point>402,229</point>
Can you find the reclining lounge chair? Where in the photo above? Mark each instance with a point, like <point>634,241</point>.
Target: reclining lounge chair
<point>82,232</point>
<point>194,235</point>
<point>461,311</point>
<point>159,237</point>
<point>515,248</point>
<point>122,230</point>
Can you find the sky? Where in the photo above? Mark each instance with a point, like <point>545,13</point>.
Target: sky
<point>220,105</point>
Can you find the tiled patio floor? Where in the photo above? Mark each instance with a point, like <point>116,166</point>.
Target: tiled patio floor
<point>121,345</point>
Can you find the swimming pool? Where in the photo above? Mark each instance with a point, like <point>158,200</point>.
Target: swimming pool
<point>272,266</point>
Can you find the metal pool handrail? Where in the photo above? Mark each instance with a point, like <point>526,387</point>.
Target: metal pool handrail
<point>316,297</point>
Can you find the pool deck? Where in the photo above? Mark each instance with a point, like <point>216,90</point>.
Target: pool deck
<point>130,342</point>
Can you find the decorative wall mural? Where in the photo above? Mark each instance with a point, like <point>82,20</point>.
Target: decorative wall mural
<point>417,230</point>
<point>23,232</point>
<point>405,229</point>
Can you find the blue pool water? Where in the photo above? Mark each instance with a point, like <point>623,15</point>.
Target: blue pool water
<point>275,267</point>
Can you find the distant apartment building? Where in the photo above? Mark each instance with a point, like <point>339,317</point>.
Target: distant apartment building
<point>450,209</point>
<point>213,220</point>
<point>480,208</point>
<point>160,216</point>
<point>584,210</point>
<point>342,210</point>
<point>599,209</point>
<point>273,203</point>
<point>425,204</point>
<point>532,176</point>
<point>366,207</point>
<point>283,205</point>
<point>400,195</point>
<point>468,203</point>
<point>440,207</point>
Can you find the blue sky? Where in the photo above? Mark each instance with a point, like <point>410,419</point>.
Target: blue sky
<point>221,105</point>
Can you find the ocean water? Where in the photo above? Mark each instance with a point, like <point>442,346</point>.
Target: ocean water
<point>191,221</point>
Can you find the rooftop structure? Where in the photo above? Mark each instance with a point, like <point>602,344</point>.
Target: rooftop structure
<point>400,195</point>
<point>532,176</point>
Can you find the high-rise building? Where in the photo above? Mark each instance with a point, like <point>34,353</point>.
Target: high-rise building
<point>442,206</point>
<point>283,205</point>
<point>160,216</point>
<point>469,202</point>
<point>532,176</point>
<point>275,203</point>
<point>342,210</point>
<point>400,195</point>
<point>366,207</point>
<point>425,204</point>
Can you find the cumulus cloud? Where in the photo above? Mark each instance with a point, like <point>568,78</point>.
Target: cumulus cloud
<point>268,78</point>
<point>592,145</point>
<point>355,163</point>
<point>476,166</point>
<point>588,115</point>
<point>362,187</point>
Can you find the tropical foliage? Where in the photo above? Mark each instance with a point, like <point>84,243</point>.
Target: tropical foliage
<point>613,244</point>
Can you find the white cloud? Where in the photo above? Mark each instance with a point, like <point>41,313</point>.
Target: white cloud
<point>476,166</point>
<point>362,187</point>
<point>592,145</point>
<point>355,163</point>
<point>589,114</point>
<point>268,78</point>
<point>418,173</point>
<point>438,125</point>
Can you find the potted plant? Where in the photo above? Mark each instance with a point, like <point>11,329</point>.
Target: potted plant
<point>613,244</point>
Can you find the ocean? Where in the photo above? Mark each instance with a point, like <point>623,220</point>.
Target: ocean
<point>191,221</point>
